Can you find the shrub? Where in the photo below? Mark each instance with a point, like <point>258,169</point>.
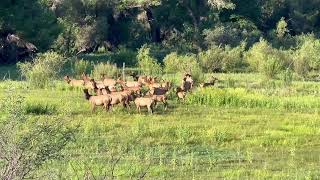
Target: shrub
<point>124,55</point>
<point>147,64</point>
<point>43,69</point>
<point>107,69</point>
<point>263,58</point>
<point>34,140</point>
<point>287,77</point>
<point>306,58</point>
<point>271,67</point>
<point>211,60</point>
<point>227,59</point>
<point>233,59</point>
<point>81,66</point>
<point>175,63</point>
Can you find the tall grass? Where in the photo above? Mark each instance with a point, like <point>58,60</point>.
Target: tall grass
<point>240,97</point>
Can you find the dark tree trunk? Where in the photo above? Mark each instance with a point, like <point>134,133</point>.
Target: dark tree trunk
<point>154,27</point>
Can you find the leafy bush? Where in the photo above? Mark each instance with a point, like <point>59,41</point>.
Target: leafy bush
<point>43,69</point>
<point>107,69</point>
<point>232,33</point>
<point>227,59</point>
<point>27,143</point>
<point>211,60</point>
<point>124,55</point>
<point>81,66</point>
<point>148,64</point>
<point>271,67</point>
<point>306,57</point>
<point>175,63</point>
<point>263,58</point>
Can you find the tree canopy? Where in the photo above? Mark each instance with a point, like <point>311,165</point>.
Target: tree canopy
<point>78,26</point>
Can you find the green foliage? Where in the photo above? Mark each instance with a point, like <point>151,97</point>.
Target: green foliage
<point>34,22</point>
<point>227,59</point>
<point>287,77</point>
<point>40,109</point>
<point>125,55</point>
<point>212,59</point>
<point>263,58</point>
<point>232,33</point>
<point>65,42</point>
<point>147,64</point>
<point>42,70</point>
<point>271,67</point>
<point>27,143</point>
<point>282,28</point>
<point>108,69</point>
<point>182,64</point>
<point>306,57</point>
<point>240,97</point>
<point>80,66</point>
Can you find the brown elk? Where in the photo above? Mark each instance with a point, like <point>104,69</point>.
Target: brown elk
<point>104,101</point>
<point>211,83</point>
<point>74,82</point>
<point>161,98</point>
<point>180,93</point>
<point>145,102</point>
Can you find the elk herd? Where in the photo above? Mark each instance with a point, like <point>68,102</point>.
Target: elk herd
<point>143,91</point>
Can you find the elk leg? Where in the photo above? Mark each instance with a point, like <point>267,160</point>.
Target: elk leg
<point>93,109</point>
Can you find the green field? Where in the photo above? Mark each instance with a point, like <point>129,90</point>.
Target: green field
<point>245,128</point>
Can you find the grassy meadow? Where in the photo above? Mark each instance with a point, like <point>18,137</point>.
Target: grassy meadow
<point>244,128</point>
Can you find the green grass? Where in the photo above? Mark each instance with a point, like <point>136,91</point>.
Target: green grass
<point>241,133</point>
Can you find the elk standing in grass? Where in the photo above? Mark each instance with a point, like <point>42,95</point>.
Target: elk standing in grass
<point>74,82</point>
<point>180,93</point>
<point>161,98</point>
<point>148,102</point>
<point>211,83</point>
<point>103,100</point>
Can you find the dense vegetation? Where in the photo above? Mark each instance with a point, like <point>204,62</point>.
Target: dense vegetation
<point>223,36</point>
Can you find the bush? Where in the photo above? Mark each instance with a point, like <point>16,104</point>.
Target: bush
<point>34,140</point>
<point>227,59</point>
<point>271,67</point>
<point>175,63</point>
<point>42,70</point>
<point>233,59</point>
<point>81,66</point>
<point>263,58</point>
<point>124,55</point>
<point>211,60</point>
<point>306,58</point>
<point>148,64</point>
<point>107,69</point>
